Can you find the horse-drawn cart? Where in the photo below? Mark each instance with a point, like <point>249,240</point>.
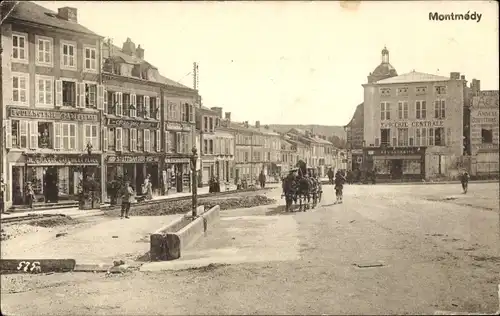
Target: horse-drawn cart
<point>301,186</point>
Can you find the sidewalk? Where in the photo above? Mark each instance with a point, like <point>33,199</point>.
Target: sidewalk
<point>108,240</point>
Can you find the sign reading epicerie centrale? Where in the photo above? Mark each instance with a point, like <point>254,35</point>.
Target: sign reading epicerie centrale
<point>406,124</point>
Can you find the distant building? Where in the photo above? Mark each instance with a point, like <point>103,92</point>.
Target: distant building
<point>354,135</point>
<point>217,145</point>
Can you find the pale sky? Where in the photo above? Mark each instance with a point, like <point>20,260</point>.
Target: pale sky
<point>297,62</point>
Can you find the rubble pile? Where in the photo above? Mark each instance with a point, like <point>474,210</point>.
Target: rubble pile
<point>184,206</point>
<point>53,221</point>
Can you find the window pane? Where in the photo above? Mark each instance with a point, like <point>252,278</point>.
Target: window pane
<point>15,82</point>
<point>21,42</point>
<point>15,95</point>
<point>15,41</point>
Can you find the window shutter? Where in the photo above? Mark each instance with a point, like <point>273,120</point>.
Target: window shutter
<point>59,94</point>
<point>183,112</point>
<point>147,140</point>
<point>82,94</point>
<point>158,140</point>
<point>8,134</point>
<point>448,141</point>
<point>105,100</point>
<point>57,135</point>
<point>158,107</point>
<point>118,139</point>
<point>192,113</point>
<point>105,133</point>
<point>77,88</point>
<point>33,135</point>
<point>178,142</point>
<point>120,104</point>
<point>133,103</point>
<point>100,97</point>
<point>146,113</point>
<point>23,130</point>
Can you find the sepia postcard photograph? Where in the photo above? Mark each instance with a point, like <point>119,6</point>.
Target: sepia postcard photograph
<point>191,158</point>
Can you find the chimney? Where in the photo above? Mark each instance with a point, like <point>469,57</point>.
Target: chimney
<point>454,75</point>
<point>257,124</point>
<point>128,47</point>
<point>246,124</point>
<point>68,14</point>
<point>218,110</point>
<point>228,116</point>
<point>462,77</point>
<point>139,52</point>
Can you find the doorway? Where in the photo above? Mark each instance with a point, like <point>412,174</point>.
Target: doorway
<point>396,168</point>
<point>178,177</point>
<point>139,178</point>
<point>50,188</point>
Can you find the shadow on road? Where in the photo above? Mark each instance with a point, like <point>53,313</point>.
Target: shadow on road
<point>280,210</point>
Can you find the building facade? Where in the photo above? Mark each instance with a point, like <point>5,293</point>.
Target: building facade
<point>354,136</point>
<point>217,146</point>
<point>413,125</point>
<point>53,99</point>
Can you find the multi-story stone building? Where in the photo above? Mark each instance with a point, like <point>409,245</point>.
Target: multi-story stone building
<point>132,134</point>
<point>53,98</point>
<point>179,129</point>
<point>217,145</point>
<point>484,135</point>
<point>268,150</point>
<point>413,125</point>
<point>243,149</point>
<point>354,135</point>
<point>141,104</point>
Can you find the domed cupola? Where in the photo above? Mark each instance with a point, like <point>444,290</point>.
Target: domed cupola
<point>384,70</point>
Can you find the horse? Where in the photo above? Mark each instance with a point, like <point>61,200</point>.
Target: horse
<point>289,187</point>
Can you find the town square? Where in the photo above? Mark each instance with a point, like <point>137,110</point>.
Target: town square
<point>223,158</point>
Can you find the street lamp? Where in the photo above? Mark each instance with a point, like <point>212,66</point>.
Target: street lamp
<point>194,186</point>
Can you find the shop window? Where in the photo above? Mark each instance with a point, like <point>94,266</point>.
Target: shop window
<point>411,166</point>
<point>45,134</point>
<point>385,136</point>
<point>487,135</point>
<point>19,133</point>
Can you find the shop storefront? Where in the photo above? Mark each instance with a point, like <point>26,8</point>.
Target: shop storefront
<point>54,177</point>
<point>404,164</point>
<point>135,169</point>
<point>176,175</point>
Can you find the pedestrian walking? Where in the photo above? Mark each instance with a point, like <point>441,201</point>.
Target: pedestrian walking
<point>330,175</point>
<point>127,199</point>
<point>339,186</point>
<point>30,194</point>
<point>147,188</point>
<point>464,179</point>
<point>262,180</point>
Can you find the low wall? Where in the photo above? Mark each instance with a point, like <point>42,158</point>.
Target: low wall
<point>167,243</point>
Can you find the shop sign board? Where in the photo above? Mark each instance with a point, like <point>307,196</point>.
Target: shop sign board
<point>52,115</point>
<point>132,159</point>
<point>132,123</point>
<point>62,159</point>
<point>407,124</point>
<point>407,151</point>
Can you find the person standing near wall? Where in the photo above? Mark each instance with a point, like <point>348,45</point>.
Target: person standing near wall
<point>2,194</point>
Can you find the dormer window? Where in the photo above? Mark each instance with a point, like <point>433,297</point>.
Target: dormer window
<point>402,91</point>
<point>144,74</point>
<point>385,92</point>
<point>117,69</point>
